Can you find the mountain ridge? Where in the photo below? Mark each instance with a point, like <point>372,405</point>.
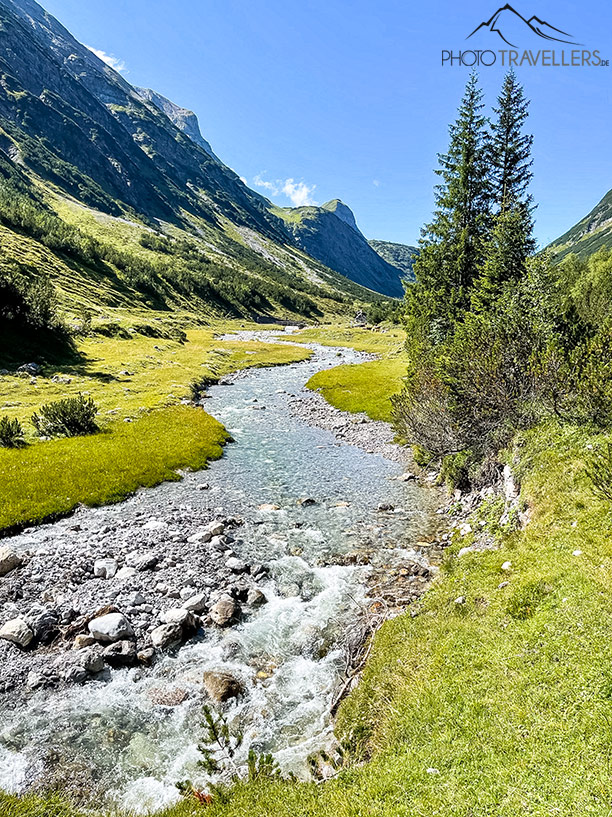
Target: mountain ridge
<point>80,130</point>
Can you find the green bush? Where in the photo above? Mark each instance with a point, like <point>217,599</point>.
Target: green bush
<point>71,417</point>
<point>11,433</point>
<point>599,471</point>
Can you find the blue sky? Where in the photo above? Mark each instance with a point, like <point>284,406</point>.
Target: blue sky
<point>348,99</point>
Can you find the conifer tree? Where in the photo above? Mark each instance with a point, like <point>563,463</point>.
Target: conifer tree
<point>452,246</point>
<point>511,240</point>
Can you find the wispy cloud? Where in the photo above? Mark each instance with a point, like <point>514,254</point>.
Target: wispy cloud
<point>375,182</point>
<point>114,62</point>
<point>298,193</point>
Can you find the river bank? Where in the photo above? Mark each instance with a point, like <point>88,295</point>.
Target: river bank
<point>292,547</point>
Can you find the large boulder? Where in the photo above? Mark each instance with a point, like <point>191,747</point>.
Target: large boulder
<point>225,611</point>
<point>17,632</point>
<point>120,654</point>
<point>221,686</point>
<point>111,627</point>
<point>167,636</point>
<point>9,560</point>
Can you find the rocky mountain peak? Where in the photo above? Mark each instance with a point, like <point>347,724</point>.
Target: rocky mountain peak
<point>343,212</point>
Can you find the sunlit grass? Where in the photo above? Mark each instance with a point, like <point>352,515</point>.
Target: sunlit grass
<point>364,387</point>
<point>49,478</point>
<point>52,478</point>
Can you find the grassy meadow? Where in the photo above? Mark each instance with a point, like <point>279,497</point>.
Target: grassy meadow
<point>366,387</point>
<point>135,378</point>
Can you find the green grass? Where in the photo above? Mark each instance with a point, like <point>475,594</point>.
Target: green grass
<point>364,387</point>
<point>49,478</point>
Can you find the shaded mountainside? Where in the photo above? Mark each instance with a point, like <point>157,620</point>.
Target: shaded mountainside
<point>116,187</point>
<point>401,256</point>
<point>590,234</point>
<point>330,234</point>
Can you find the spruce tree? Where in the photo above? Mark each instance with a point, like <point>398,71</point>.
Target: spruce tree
<point>510,148</point>
<point>511,240</point>
<point>452,246</point>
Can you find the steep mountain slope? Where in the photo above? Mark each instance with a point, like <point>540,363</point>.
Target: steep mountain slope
<point>590,234</point>
<point>401,256</point>
<point>95,163</point>
<point>184,119</point>
<point>330,234</point>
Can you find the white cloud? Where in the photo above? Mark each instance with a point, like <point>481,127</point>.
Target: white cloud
<point>298,193</point>
<point>375,182</point>
<point>114,62</point>
<point>243,180</point>
<point>259,182</point>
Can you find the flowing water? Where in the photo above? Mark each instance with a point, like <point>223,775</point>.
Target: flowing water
<point>288,654</point>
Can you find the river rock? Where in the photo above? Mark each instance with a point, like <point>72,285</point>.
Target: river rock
<point>92,660</point>
<point>9,560</point>
<point>255,597</point>
<point>221,686</point>
<point>215,528</point>
<point>17,632</point>
<point>224,611</point>
<point>269,506</point>
<point>196,603</point>
<point>105,568</point>
<point>120,654</point>
<point>167,636</point>
<point>199,537</point>
<point>74,674</point>
<point>179,615</point>
<point>44,625</point>
<point>146,656</point>
<point>236,565</point>
<point>125,573</point>
<point>306,502</point>
<point>82,641</point>
<point>111,627</point>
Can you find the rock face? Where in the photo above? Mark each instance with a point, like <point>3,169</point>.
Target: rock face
<point>184,119</point>
<point>9,560</point>
<point>221,686</point>
<point>330,235</point>
<point>111,627</point>
<point>17,631</point>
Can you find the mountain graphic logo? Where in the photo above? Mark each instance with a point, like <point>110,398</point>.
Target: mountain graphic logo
<point>510,25</point>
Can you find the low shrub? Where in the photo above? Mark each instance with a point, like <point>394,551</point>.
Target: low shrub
<point>71,417</point>
<point>11,433</point>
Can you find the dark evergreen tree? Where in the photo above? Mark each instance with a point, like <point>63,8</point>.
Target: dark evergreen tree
<point>511,240</point>
<point>452,246</point>
<point>510,149</point>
